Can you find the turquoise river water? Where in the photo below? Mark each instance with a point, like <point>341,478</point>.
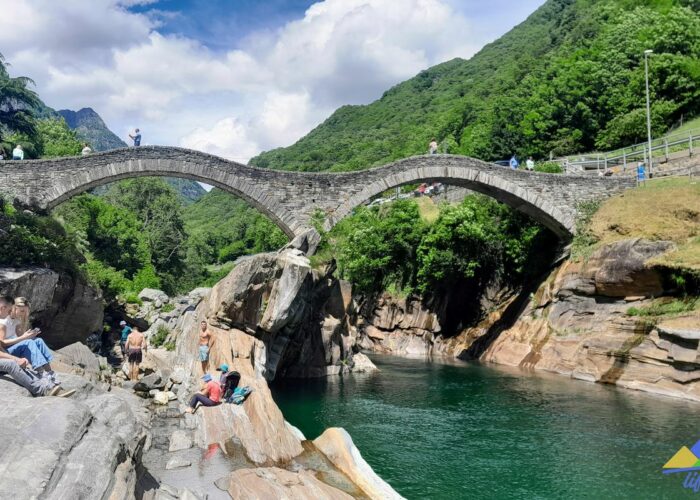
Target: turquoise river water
<point>447,431</point>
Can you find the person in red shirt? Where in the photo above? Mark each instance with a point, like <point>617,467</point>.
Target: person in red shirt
<point>210,394</point>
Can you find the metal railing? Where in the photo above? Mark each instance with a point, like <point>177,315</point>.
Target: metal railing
<point>663,150</point>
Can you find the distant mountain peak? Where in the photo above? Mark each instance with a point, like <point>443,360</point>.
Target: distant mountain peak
<point>92,129</point>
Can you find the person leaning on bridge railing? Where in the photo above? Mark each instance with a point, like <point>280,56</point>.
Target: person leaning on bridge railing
<point>18,153</point>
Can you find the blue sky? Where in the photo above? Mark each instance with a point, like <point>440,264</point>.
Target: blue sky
<point>236,77</point>
<point>222,24</point>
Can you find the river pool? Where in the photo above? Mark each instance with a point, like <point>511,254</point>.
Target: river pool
<point>447,431</point>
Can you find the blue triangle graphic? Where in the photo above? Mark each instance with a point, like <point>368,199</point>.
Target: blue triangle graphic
<point>696,449</point>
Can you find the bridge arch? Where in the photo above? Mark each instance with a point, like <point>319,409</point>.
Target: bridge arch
<point>475,175</point>
<point>103,168</point>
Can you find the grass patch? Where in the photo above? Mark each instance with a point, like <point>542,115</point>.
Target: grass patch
<point>167,308</point>
<point>662,209</point>
<point>666,306</point>
<point>427,208</point>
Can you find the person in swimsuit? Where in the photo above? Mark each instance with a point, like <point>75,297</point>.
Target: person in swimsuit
<point>204,345</point>
<point>135,347</point>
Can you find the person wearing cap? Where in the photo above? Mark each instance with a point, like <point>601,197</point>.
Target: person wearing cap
<point>209,395</point>
<point>126,330</point>
<point>228,380</point>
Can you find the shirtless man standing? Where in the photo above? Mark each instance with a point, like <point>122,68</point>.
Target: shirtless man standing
<point>205,339</point>
<point>135,347</point>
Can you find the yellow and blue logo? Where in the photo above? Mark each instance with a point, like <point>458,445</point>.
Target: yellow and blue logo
<point>686,460</point>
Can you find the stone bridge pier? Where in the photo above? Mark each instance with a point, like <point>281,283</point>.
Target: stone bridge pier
<point>291,199</point>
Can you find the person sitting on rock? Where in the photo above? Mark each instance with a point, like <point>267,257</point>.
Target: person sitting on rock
<point>205,339</point>
<point>14,317</point>
<point>21,372</point>
<point>228,380</point>
<point>209,395</point>
<point>135,347</point>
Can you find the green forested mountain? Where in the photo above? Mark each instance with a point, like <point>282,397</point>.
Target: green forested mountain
<point>568,79</point>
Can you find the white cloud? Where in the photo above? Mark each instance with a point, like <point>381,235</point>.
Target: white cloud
<point>267,92</point>
<point>227,138</point>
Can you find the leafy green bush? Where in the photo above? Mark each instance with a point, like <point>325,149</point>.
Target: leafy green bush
<point>27,239</point>
<point>549,167</point>
<point>390,248</point>
<point>131,298</point>
<point>167,308</point>
<point>584,239</point>
<point>158,338</point>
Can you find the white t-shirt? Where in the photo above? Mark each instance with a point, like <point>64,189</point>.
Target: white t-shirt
<point>87,150</point>
<point>18,153</point>
<point>10,327</point>
<point>530,164</point>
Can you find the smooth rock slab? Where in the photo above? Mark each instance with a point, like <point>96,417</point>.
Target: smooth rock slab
<point>273,483</point>
<point>337,445</point>
<point>180,440</point>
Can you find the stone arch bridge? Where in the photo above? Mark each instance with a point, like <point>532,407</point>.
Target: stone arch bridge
<point>290,199</point>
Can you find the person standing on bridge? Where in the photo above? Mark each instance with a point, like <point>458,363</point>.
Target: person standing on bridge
<point>18,153</point>
<point>530,164</point>
<point>514,163</point>
<point>86,150</point>
<point>433,147</point>
<point>136,138</point>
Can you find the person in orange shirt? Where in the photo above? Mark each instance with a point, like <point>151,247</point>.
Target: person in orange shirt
<point>209,395</point>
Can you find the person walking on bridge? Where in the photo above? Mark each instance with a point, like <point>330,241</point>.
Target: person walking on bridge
<point>18,153</point>
<point>136,138</point>
<point>514,163</point>
<point>433,147</point>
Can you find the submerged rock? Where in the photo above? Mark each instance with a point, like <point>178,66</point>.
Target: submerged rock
<point>272,482</point>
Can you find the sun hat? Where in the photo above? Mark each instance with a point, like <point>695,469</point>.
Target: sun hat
<point>223,368</point>
<point>206,377</point>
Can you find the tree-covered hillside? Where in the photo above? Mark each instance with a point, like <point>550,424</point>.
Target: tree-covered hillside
<point>568,79</point>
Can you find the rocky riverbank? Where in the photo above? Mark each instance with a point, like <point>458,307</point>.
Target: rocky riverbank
<point>575,324</point>
<point>271,315</point>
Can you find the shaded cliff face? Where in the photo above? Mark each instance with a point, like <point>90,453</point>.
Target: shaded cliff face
<point>301,317</point>
<point>66,308</point>
<point>575,324</point>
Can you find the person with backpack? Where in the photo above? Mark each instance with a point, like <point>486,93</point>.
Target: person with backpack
<point>228,381</point>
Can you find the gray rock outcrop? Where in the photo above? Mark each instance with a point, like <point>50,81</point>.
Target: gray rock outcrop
<point>85,447</point>
<point>65,307</point>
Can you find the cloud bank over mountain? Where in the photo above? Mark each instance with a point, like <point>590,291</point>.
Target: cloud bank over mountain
<point>268,90</point>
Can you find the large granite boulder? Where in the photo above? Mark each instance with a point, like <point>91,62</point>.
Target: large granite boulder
<point>65,307</point>
<point>619,269</point>
<point>84,447</point>
<point>300,315</point>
